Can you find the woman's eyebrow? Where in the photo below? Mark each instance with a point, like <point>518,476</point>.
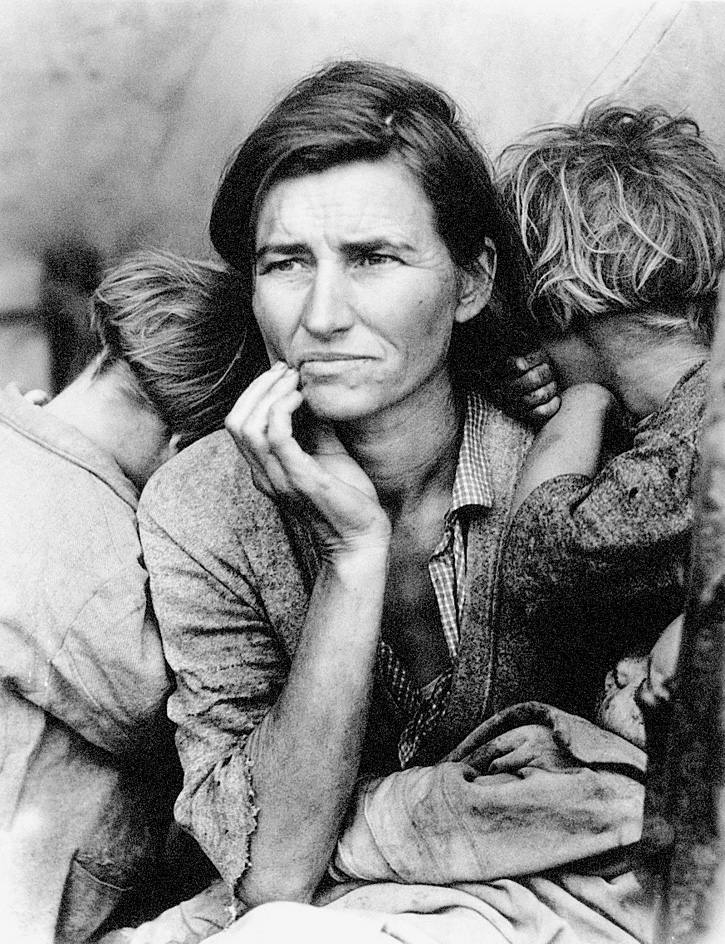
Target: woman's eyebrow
<point>280,248</point>
<point>356,247</point>
<point>362,246</point>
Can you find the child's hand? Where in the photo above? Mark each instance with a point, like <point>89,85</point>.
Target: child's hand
<point>529,388</point>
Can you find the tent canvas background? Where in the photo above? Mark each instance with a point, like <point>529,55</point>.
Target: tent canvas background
<point>116,116</point>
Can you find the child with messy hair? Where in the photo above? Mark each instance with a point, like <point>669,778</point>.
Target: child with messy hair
<point>88,772</point>
<point>623,219</point>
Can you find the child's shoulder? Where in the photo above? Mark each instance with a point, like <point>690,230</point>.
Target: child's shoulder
<point>684,408</point>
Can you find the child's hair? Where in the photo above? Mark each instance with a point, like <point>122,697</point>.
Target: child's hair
<point>622,212</point>
<point>182,336</point>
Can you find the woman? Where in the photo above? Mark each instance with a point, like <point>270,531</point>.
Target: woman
<point>340,623</point>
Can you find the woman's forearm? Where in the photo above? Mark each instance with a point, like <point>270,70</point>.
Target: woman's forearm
<point>306,751</point>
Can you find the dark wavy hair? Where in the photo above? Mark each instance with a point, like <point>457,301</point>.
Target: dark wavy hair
<point>365,111</point>
<point>622,212</point>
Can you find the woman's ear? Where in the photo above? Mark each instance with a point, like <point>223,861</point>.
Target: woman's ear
<point>477,284</point>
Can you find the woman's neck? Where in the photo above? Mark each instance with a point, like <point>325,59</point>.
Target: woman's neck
<point>410,451</point>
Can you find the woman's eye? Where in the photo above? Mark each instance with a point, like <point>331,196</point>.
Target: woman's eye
<point>280,265</point>
<point>376,259</point>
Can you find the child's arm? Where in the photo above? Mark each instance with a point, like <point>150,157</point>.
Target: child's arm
<point>571,441</point>
<point>639,499</point>
<point>608,554</point>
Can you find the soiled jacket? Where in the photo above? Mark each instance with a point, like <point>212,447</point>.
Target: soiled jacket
<point>83,683</point>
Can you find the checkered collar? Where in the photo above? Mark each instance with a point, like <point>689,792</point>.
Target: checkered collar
<point>472,484</point>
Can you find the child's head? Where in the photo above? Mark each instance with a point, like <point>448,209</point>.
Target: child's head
<point>177,335</point>
<point>640,682</point>
<point>623,212</point>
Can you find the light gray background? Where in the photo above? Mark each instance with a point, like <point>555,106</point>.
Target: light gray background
<point>116,116</point>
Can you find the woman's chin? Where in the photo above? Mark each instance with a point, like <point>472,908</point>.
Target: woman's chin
<point>335,405</point>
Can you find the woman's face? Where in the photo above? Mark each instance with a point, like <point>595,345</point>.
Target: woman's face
<point>355,288</point>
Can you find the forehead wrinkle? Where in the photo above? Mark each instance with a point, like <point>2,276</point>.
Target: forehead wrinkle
<point>324,205</point>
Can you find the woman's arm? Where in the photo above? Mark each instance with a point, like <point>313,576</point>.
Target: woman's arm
<point>246,770</point>
<point>306,751</point>
<point>527,805</point>
<point>268,810</point>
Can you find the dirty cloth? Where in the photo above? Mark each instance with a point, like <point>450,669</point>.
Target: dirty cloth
<point>526,834</point>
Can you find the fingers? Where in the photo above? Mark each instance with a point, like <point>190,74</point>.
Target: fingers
<point>320,482</point>
<point>544,412</point>
<point>540,395</point>
<point>261,425</point>
<point>522,363</point>
<point>533,389</point>
<point>530,376</point>
<point>257,394</point>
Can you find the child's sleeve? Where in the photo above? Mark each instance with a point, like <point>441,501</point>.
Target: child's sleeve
<point>615,535</point>
<point>640,498</point>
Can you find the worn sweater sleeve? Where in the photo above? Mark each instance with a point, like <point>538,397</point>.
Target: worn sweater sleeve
<point>228,663</point>
<point>611,535</point>
<point>531,800</point>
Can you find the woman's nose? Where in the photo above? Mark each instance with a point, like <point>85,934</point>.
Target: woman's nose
<point>327,308</point>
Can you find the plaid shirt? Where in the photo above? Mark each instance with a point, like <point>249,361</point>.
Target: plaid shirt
<point>447,567</point>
